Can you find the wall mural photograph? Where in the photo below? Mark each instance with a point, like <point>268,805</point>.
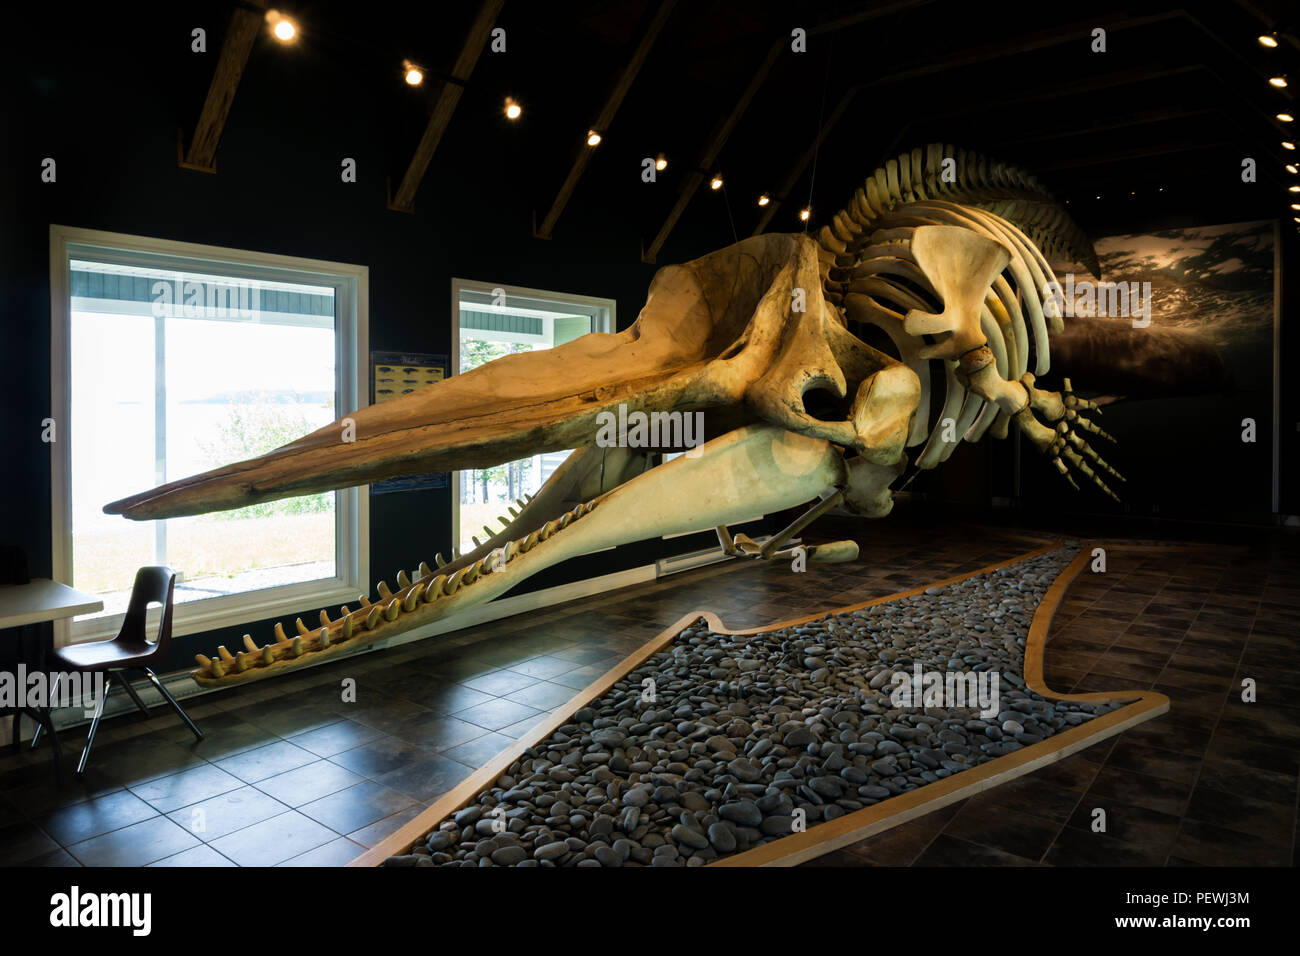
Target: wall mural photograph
<point>1176,343</point>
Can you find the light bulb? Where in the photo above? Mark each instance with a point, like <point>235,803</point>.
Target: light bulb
<point>593,138</point>
<point>513,109</point>
<point>715,183</point>
<point>764,199</point>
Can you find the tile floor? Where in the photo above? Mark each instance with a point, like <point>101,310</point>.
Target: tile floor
<point>291,774</point>
<point>1211,783</point>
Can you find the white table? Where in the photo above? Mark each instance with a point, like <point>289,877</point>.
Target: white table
<point>43,600</point>
<point>37,602</point>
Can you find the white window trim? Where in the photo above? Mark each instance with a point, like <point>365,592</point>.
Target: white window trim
<point>604,317</point>
<point>352,538</point>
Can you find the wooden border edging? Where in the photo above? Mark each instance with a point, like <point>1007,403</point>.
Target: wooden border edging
<point>852,827</point>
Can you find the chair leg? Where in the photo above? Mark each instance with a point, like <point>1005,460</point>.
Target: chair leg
<point>175,706</point>
<point>94,725</point>
<point>54,686</point>
<point>130,692</point>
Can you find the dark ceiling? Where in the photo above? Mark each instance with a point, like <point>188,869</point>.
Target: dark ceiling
<point>1160,122</point>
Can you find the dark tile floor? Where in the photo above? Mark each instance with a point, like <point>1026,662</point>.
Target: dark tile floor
<point>292,773</point>
<point>1211,783</point>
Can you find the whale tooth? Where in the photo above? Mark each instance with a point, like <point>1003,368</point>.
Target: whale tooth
<point>477,542</point>
<point>365,601</point>
<point>403,581</point>
<point>217,669</point>
<point>279,634</point>
<point>242,662</point>
<point>203,661</point>
<point>434,589</point>
<point>513,513</point>
<point>392,609</point>
<point>325,618</point>
<point>324,637</point>
<point>268,655</point>
<point>512,548</point>
<point>489,532</point>
<point>470,574</point>
<point>382,588</point>
<point>296,647</point>
<point>455,581</point>
<point>347,627</point>
<point>224,654</point>
<point>425,570</point>
<point>372,618</point>
<point>250,644</point>
<point>301,627</point>
<point>438,559</point>
<point>412,597</point>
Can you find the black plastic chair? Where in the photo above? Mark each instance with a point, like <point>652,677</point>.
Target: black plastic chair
<point>130,650</point>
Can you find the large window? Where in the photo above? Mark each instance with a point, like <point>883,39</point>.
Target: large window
<point>173,359</point>
<point>492,321</point>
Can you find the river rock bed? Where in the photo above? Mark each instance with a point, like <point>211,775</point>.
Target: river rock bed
<point>746,736</point>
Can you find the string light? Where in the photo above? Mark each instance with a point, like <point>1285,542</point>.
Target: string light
<point>716,181</point>
<point>661,163</point>
<point>593,138</point>
<point>1277,81</point>
<point>805,213</point>
<point>1268,39</point>
<point>413,74</point>
<point>1287,144</point>
<point>1292,168</point>
<point>1285,117</point>
<point>513,109</point>
<point>764,199</point>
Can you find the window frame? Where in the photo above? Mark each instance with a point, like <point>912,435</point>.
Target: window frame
<point>351,343</point>
<point>604,318</point>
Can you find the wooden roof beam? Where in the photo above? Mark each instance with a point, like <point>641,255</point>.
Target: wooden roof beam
<point>606,117</point>
<point>787,187</point>
<point>477,38</point>
<point>245,23</point>
<point>696,176</point>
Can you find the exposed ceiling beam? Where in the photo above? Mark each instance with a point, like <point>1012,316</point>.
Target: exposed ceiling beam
<point>404,199</point>
<point>245,23</point>
<point>696,176</point>
<point>943,62</point>
<point>606,116</point>
<point>1038,94</point>
<point>1085,162</point>
<point>804,160</point>
<point>863,16</point>
<point>1146,118</point>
